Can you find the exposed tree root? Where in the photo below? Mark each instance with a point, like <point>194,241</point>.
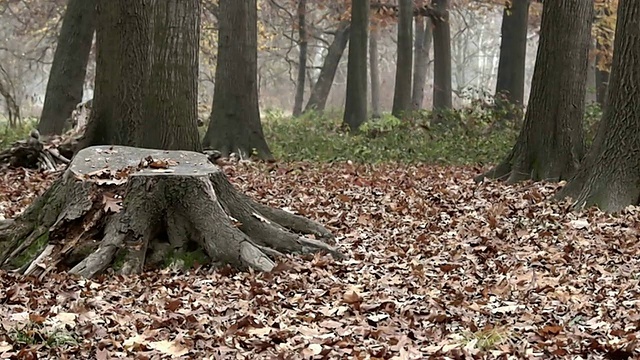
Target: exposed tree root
<point>128,208</point>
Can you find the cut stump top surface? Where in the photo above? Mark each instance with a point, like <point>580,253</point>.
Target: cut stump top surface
<point>95,159</point>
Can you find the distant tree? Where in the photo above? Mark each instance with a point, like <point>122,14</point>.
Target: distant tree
<point>513,51</point>
<point>374,71</point>
<point>355,111</point>
<point>302,57</point>
<point>321,88</point>
<point>442,98</point>
<point>422,45</point>
<point>122,69</point>
<point>551,142</point>
<point>404,61</point>
<point>610,174</point>
<point>69,67</point>
<point>235,117</point>
<point>171,111</point>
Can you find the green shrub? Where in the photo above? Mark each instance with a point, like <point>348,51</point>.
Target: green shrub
<point>9,135</point>
<point>320,137</point>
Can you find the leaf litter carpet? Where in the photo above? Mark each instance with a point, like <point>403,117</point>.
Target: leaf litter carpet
<point>439,267</point>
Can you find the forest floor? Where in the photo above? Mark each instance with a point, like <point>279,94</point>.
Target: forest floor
<point>439,267</point>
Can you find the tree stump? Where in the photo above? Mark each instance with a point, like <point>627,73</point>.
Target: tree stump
<point>125,208</point>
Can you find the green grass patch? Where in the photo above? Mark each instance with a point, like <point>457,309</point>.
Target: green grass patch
<point>9,135</point>
<point>467,139</point>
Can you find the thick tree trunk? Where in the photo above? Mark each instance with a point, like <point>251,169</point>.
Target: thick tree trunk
<point>130,208</point>
<point>320,92</point>
<point>69,67</point>
<point>404,61</point>
<point>513,51</point>
<point>235,116</point>
<point>374,72</point>
<point>551,143</point>
<point>610,175</point>
<point>422,46</point>
<point>171,112</point>
<point>122,69</point>
<point>302,58</point>
<point>442,98</point>
<point>355,110</point>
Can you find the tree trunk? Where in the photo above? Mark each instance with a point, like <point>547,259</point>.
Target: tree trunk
<point>551,142</point>
<point>110,209</point>
<point>355,110</point>
<point>320,92</point>
<point>602,76</point>
<point>513,51</point>
<point>420,60</point>
<point>374,72</point>
<point>235,117</point>
<point>610,175</point>
<point>404,62</point>
<point>509,95</point>
<point>171,113</point>
<point>122,69</point>
<point>302,58</point>
<point>590,95</point>
<point>442,99</point>
<point>69,67</point>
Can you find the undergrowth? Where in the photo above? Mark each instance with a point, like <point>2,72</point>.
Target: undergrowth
<point>475,134</point>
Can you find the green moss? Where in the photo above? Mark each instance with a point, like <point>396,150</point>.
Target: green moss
<point>118,262</point>
<point>186,259</point>
<point>30,253</point>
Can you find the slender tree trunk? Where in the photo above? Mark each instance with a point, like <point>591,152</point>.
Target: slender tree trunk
<point>302,58</point>
<point>320,92</point>
<point>235,118</point>
<point>402,90</point>
<point>122,69</point>
<point>422,46</point>
<point>590,95</point>
<point>513,51</point>
<point>355,111</point>
<point>374,72</point>
<point>69,67</point>
<point>551,143</point>
<point>442,99</point>
<point>602,77</point>
<point>171,109</point>
<point>610,175</point>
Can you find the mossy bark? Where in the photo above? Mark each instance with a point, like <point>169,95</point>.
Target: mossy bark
<point>117,207</point>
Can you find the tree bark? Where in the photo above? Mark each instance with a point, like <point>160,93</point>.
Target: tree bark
<point>513,51</point>
<point>235,116</point>
<point>602,77</point>
<point>591,93</point>
<point>404,61</point>
<point>122,69</point>
<point>302,58</point>
<point>130,209</point>
<point>422,46</point>
<point>355,111</point>
<point>509,95</point>
<point>69,67</point>
<point>320,92</point>
<point>171,113</point>
<point>442,98</point>
<point>374,72</point>
<point>551,143</point>
<point>610,175</point>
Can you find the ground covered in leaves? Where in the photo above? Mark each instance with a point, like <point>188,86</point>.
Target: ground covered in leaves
<point>439,268</point>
